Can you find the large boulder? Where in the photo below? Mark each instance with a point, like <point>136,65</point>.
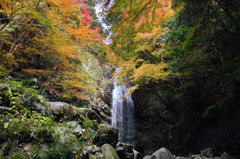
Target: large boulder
<point>109,152</point>
<point>107,134</point>
<point>162,153</point>
<point>69,111</point>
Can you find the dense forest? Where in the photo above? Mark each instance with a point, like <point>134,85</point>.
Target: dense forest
<point>179,58</point>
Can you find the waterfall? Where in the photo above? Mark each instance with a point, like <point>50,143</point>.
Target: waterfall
<point>122,112</point>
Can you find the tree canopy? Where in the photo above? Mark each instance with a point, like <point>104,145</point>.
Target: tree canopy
<point>46,39</point>
<point>188,38</point>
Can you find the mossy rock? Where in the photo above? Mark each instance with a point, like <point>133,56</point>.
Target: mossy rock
<point>109,152</point>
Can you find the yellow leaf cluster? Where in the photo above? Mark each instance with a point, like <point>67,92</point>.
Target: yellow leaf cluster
<point>140,72</point>
<point>150,72</point>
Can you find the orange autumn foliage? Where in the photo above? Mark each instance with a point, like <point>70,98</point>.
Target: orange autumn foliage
<point>43,39</point>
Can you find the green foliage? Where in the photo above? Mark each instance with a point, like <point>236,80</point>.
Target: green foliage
<point>61,151</point>
<point>2,71</point>
<point>29,127</point>
<point>17,97</point>
<point>19,153</point>
<point>90,132</point>
<point>39,18</point>
<point>59,138</point>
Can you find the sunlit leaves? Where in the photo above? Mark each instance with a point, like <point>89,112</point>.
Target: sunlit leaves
<point>137,27</point>
<point>137,22</point>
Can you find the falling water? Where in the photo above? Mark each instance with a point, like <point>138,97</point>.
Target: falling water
<point>122,112</point>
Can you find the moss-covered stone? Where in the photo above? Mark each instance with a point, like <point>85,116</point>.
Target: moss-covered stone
<point>109,152</point>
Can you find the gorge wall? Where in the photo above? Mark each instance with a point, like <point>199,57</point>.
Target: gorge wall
<point>172,117</point>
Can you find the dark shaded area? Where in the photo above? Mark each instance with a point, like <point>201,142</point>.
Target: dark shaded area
<point>163,119</point>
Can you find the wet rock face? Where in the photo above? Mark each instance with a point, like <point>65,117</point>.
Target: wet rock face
<point>102,100</point>
<point>164,119</point>
<point>153,118</point>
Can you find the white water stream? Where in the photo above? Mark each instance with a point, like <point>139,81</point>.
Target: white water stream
<point>122,106</point>
<point>122,112</point>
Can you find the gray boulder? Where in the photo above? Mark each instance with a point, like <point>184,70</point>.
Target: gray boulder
<point>70,111</point>
<point>109,152</point>
<point>162,153</point>
<point>61,107</point>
